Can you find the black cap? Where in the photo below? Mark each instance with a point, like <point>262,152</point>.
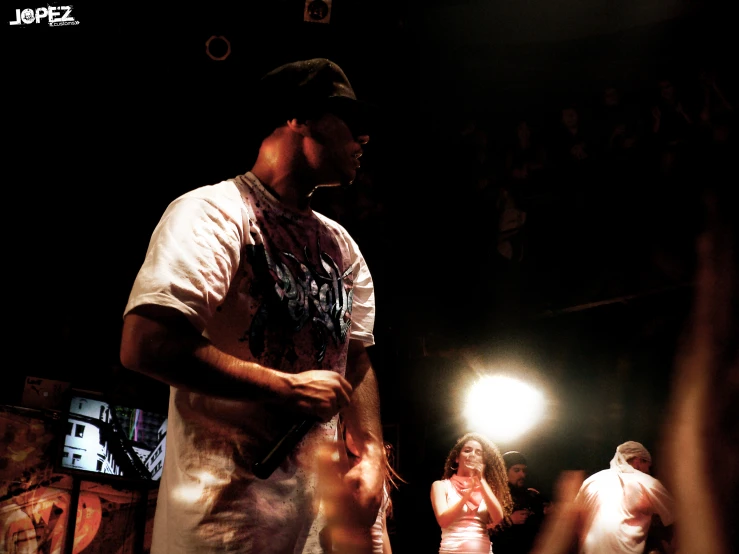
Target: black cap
<point>512,458</point>
<point>309,87</point>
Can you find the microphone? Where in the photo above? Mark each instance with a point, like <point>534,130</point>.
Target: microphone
<point>267,465</point>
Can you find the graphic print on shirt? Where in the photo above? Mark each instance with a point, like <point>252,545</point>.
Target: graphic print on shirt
<point>294,291</point>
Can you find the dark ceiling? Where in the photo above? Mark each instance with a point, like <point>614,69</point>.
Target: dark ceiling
<point>112,118</point>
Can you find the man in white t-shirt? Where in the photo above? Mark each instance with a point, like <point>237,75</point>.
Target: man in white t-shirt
<point>257,312</point>
<point>617,504</point>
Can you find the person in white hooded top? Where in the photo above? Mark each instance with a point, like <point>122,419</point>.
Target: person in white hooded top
<point>616,505</point>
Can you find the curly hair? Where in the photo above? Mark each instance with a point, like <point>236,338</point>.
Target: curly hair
<point>495,470</point>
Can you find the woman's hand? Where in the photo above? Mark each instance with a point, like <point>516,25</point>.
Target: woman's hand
<point>479,473</point>
<point>474,485</point>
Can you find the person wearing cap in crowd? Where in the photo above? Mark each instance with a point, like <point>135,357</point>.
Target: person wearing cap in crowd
<point>257,311</point>
<point>616,505</point>
<point>516,533</point>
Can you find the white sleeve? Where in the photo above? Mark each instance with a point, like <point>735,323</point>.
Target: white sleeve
<point>363,301</point>
<point>662,501</point>
<point>193,254</point>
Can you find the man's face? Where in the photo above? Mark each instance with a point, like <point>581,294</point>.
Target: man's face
<point>642,464</point>
<point>334,152</point>
<point>517,475</point>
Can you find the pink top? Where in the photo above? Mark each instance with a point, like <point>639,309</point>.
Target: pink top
<point>467,534</point>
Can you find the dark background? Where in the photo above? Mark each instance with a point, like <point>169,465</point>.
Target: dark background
<point>110,120</point>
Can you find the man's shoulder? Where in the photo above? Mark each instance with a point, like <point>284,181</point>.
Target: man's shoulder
<point>221,200</point>
<point>647,480</point>
<point>332,223</point>
<point>598,476</point>
<point>226,190</point>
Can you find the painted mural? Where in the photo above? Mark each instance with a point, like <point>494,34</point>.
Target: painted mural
<point>35,500</point>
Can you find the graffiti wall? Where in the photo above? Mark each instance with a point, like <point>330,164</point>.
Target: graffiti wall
<point>35,501</point>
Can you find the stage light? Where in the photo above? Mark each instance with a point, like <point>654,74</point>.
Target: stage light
<point>503,408</point>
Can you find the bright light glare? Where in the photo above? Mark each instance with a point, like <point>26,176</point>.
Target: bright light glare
<point>503,408</point>
<point>194,491</point>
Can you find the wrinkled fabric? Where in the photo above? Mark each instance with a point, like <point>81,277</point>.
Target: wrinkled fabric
<point>617,511</point>
<point>378,528</point>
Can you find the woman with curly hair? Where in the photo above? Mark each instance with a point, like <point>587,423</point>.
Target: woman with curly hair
<point>472,495</point>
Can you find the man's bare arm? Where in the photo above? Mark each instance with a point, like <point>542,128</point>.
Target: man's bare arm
<point>363,422</point>
<point>161,343</point>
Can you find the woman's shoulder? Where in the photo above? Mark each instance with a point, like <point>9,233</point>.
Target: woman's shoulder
<point>441,483</point>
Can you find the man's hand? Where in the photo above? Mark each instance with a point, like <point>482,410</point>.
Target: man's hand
<point>318,393</point>
<point>161,343</point>
<point>365,483</point>
<point>560,527</point>
<point>350,512</point>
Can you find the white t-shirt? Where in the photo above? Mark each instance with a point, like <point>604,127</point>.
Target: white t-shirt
<point>618,509</point>
<point>378,528</point>
<point>264,284</point>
